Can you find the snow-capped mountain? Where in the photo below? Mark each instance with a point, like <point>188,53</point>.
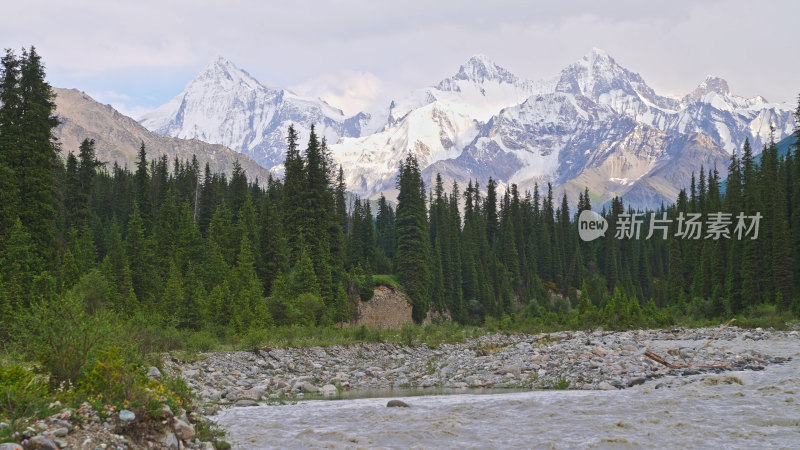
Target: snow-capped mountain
<point>434,123</point>
<point>710,109</point>
<point>595,124</point>
<point>225,105</point>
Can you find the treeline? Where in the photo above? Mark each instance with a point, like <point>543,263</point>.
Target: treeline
<point>183,247</point>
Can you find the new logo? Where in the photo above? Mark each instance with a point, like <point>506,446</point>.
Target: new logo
<point>591,225</point>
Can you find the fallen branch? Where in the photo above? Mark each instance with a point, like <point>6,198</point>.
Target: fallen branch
<point>660,360</point>
<point>690,365</point>
<point>713,338</point>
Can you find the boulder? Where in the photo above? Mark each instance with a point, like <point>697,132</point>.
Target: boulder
<point>184,431</point>
<point>243,402</point>
<point>10,446</point>
<point>154,373</point>
<point>169,441</point>
<point>605,386</point>
<point>40,442</point>
<point>397,404</point>
<point>329,390</point>
<point>60,431</point>
<point>126,416</point>
<point>307,387</point>
<point>637,380</point>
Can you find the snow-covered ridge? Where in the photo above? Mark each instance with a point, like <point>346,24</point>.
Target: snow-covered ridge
<point>226,105</point>
<point>595,123</point>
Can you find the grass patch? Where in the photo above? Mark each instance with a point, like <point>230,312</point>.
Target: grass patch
<point>561,384</point>
<point>388,280</point>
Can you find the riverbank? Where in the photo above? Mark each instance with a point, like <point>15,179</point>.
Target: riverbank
<point>600,360</point>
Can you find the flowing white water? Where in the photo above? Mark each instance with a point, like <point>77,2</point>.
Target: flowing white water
<point>709,410</point>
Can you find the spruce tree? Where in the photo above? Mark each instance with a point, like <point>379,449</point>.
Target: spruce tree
<point>413,270</point>
<point>36,155</point>
<point>293,189</point>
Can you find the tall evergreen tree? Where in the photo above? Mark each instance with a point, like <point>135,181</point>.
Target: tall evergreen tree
<point>412,238</point>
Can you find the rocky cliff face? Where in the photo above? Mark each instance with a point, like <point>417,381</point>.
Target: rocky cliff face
<point>388,308</point>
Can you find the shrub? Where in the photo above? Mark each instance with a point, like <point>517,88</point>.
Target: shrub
<point>408,333</point>
<point>113,380</point>
<point>22,393</point>
<point>201,341</point>
<point>254,339</point>
<point>311,308</point>
<point>63,336</point>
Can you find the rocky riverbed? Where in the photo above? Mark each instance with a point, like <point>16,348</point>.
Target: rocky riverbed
<point>565,360</point>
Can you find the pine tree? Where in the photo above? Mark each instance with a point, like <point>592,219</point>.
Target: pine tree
<point>238,188</point>
<point>190,314</point>
<point>273,243</point>
<point>412,238</point>
<point>20,264</point>
<point>293,189</point>
<point>172,297</point>
<point>385,236</point>
<point>221,232</point>
<point>35,158</point>
<point>142,189</point>
<point>317,210</point>
<point>117,270</point>
<point>10,134</point>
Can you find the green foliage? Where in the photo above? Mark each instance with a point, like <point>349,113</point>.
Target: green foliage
<point>408,333</point>
<point>23,393</point>
<point>201,341</point>
<point>112,380</point>
<point>561,384</point>
<point>63,336</point>
<point>388,280</point>
<point>364,282</point>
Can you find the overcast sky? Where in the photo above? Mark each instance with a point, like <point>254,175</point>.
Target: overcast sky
<point>357,53</point>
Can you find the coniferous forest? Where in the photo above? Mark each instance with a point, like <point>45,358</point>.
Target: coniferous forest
<point>173,245</point>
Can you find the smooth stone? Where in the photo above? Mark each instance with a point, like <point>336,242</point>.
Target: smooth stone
<point>126,416</point>
<point>397,404</point>
<point>605,386</point>
<point>169,441</point>
<point>637,380</point>
<point>154,373</point>
<point>40,442</point>
<point>307,387</point>
<point>61,424</point>
<point>60,432</point>
<point>329,390</point>
<point>245,402</point>
<point>10,446</point>
<point>183,430</point>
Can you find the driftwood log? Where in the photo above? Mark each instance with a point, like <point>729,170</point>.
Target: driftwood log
<point>690,364</point>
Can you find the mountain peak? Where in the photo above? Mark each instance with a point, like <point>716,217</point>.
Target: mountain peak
<point>714,84</point>
<point>479,59</point>
<point>711,85</point>
<point>479,69</point>
<point>596,53</point>
<point>223,71</point>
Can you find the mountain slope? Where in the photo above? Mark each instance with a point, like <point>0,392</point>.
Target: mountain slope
<point>118,137</point>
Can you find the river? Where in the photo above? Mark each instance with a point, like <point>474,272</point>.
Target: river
<point>742,409</point>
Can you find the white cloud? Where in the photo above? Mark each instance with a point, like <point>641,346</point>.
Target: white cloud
<point>349,91</point>
<point>406,44</point>
<point>120,102</point>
